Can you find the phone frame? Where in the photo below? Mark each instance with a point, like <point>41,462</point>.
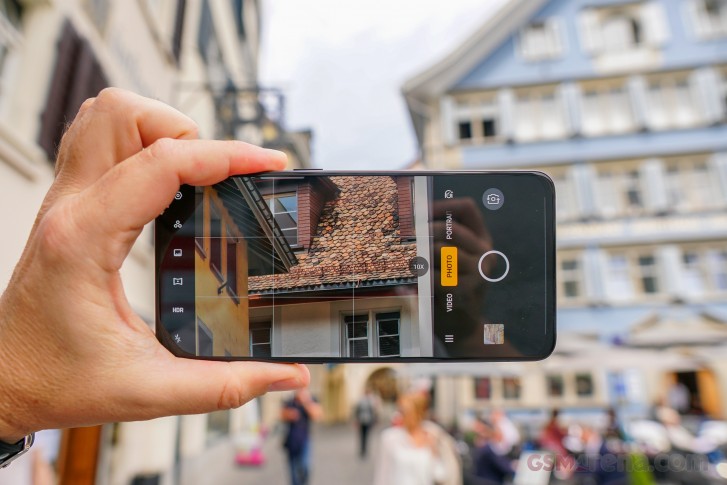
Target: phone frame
<point>551,285</point>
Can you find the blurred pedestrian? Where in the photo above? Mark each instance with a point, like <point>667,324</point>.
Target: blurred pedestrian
<point>366,417</point>
<point>491,466</point>
<point>678,397</point>
<point>552,439</point>
<point>416,452</point>
<point>552,436</point>
<point>508,434</point>
<point>298,413</point>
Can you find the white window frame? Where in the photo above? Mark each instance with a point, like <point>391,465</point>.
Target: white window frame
<point>475,109</point>
<point>709,268</point>
<point>567,207</point>
<point>653,28</point>
<point>575,275</point>
<point>671,95</point>
<point>270,200</point>
<point>705,25</point>
<point>635,273</point>
<point>619,41</point>
<point>614,183</point>
<point>606,108</point>
<point>268,323</point>
<point>691,184</point>
<point>652,271</point>
<point>549,46</point>
<point>540,114</point>
<point>372,332</point>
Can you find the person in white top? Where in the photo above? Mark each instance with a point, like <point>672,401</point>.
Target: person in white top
<point>410,453</point>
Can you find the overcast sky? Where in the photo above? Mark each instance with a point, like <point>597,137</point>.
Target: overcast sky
<point>342,63</point>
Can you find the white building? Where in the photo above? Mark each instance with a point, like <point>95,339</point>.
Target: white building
<point>188,53</point>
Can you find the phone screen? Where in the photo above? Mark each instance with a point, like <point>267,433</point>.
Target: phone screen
<point>325,266</point>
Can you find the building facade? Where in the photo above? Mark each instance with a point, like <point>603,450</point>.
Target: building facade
<point>200,56</point>
<point>624,105</point>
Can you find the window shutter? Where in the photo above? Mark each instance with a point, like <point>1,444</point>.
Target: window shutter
<point>446,109</point>
<point>178,30</point>
<point>506,108</point>
<point>638,97</point>
<point>77,76</point>
<point>595,271</point>
<point>655,22</point>
<point>719,164</point>
<point>704,83</point>
<point>571,95</point>
<point>591,34</point>
<point>53,118</point>
<point>556,33</point>
<point>585,181</point>
<point>654,185</point>
<point>668,260</point>
<point>694,18</point>
<point>206,30</point>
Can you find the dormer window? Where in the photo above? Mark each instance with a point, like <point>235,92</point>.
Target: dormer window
<point>622,30</point>
<point>285,210</point>
<point>709,18</point>
<point>476,119</point>
<point>618,30</point>
<point>541,40</point>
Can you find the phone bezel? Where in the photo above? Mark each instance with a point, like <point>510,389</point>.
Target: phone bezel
<point>551,310</point>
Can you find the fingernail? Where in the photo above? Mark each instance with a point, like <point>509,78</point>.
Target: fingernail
<point>285,385</point>
<point>281,156</point>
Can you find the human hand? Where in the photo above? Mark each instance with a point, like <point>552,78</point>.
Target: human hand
<point>73,351</point>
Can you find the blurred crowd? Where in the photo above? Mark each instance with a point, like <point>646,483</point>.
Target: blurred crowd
<point>670,446</point>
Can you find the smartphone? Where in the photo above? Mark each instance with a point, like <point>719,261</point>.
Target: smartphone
<point>330,267</point>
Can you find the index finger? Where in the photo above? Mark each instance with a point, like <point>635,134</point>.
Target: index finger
<point>133,193</point>
<point>112,127</point>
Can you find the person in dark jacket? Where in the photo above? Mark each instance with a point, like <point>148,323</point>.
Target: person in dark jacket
<point>490,467</point>
<point>298,414</point>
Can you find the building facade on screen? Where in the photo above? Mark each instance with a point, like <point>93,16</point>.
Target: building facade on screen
<point>624,105</point>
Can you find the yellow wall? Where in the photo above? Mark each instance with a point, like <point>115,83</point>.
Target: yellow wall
<point>227,321</point>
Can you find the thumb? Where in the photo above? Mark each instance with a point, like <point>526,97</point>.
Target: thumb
<point>188,386</point>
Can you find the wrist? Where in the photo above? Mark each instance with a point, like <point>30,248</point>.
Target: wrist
<point>10,430</point>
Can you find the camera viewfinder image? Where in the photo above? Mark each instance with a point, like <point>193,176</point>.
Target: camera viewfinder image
<point>313,267</point>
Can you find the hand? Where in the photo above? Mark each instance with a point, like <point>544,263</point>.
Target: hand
<point>72,351</point>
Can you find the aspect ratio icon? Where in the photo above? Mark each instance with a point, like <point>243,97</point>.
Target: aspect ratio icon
<point>177,281</point>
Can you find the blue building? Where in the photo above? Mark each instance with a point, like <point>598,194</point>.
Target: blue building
<point>624,104</point>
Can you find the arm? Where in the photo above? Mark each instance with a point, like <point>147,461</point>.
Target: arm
<point>314,410</point>
<point>73,351</point>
